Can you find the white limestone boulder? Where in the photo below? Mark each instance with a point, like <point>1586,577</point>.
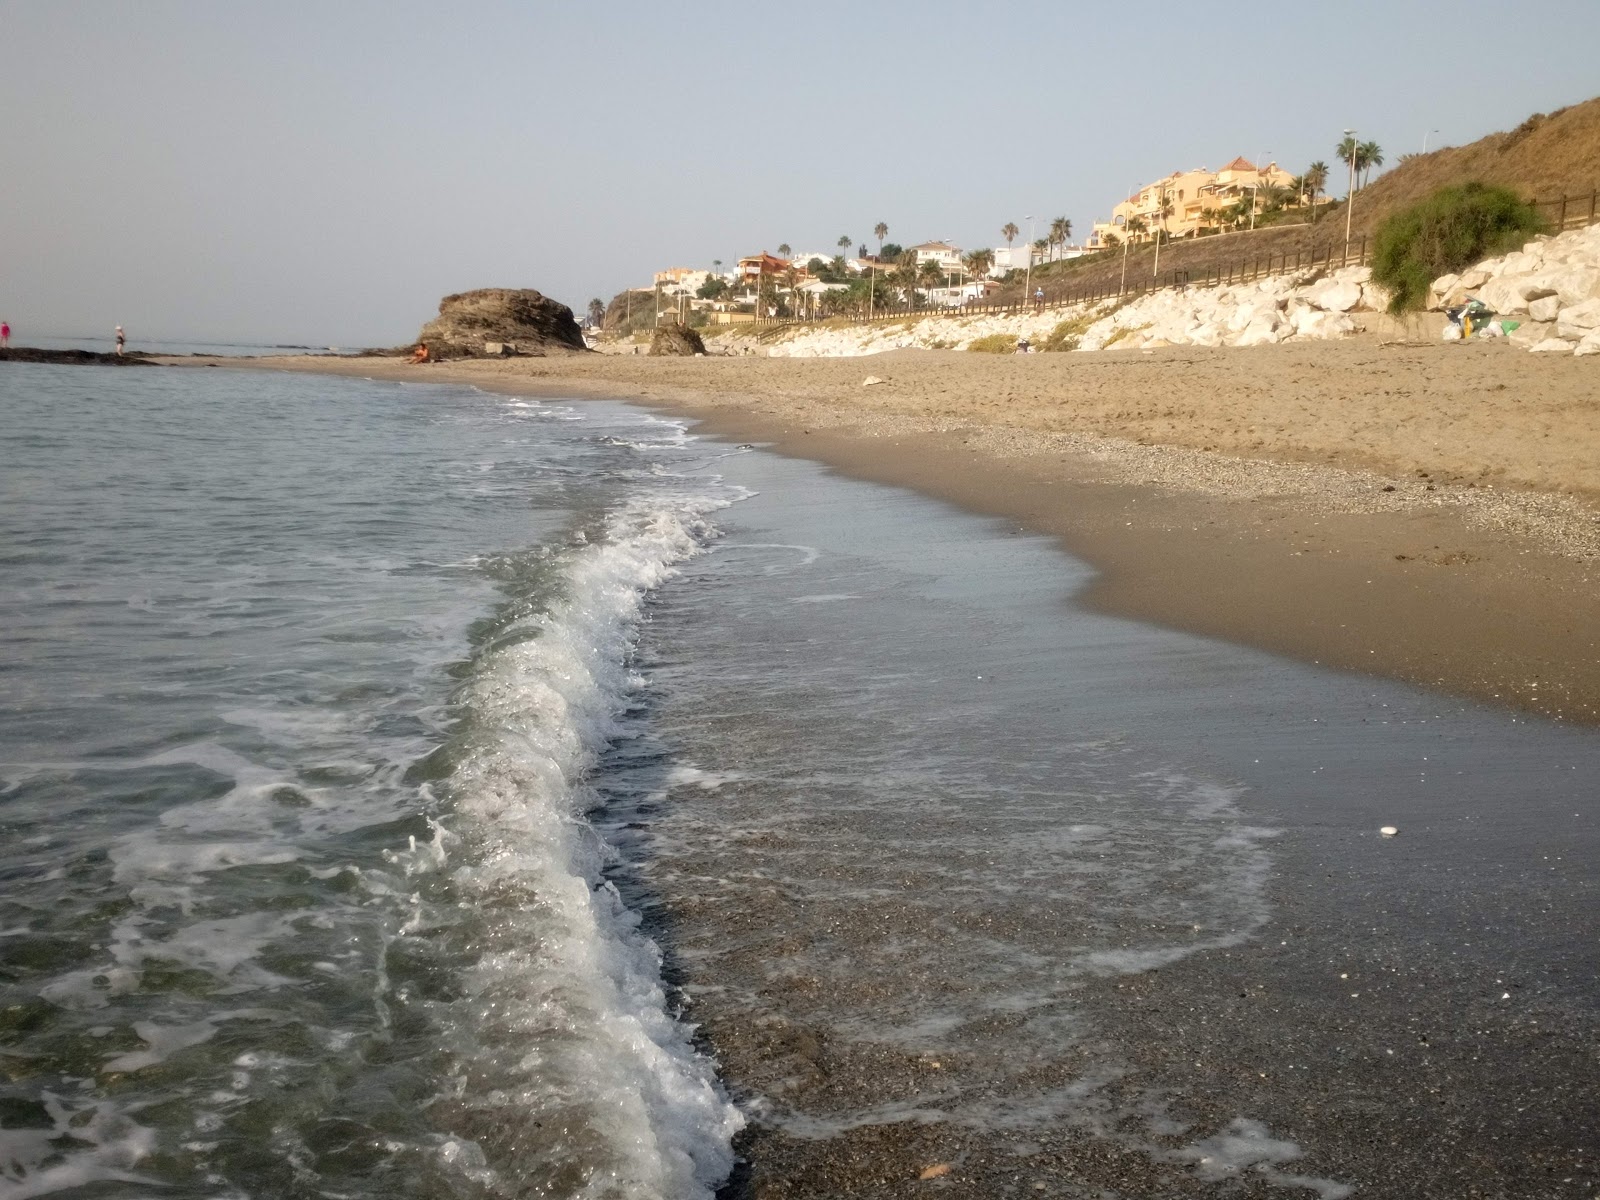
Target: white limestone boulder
<point>1589,345</point>
<point>1576,321</point>
<point>1264,329</point>
<point>1573,284</point>
<point>1510,293</point>
<point>1441,290</point>
<point>1530,333</point>
<point>1474,277</point>
<point>1551,345</point>
<point>1334,295</point>
<point>1544,309</point>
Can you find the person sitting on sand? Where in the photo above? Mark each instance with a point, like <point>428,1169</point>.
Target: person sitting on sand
<point>420,354</point>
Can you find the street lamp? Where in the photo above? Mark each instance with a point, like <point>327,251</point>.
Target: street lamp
<point>1350,191</point>
<point>1425,139</point>
<point>1027,279</point>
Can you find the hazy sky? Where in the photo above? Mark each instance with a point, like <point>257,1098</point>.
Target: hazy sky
<point>324,171</point>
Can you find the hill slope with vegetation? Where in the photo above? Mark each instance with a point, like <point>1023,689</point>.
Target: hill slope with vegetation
<point>1545,157</point>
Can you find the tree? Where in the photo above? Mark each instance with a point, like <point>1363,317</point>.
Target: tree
<point>844,244</point>
<point>880,231</point>
<point>1133,227</point>
<point>1060,231</point>
<point>930,274</point>
<point>1163,213</point>
<point>890,251</point>
<point>714,288</point>
<point>904,275</point>
<point>1368,155</point>
<point>978,263</point>
<point>1449,231</point>
<point>783,250</point>
<point>597,312</point>
<point>1009,231</point>
<point>1316,178</point>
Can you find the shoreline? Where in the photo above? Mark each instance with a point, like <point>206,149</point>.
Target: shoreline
<point>1339,503</point>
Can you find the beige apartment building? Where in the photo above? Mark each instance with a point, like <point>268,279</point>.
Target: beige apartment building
<point>1189,196</point>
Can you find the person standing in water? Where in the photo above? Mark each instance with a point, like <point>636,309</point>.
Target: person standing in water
<point>121,341</point>
<point>5,335</point>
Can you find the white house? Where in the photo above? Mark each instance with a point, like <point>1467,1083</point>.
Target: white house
<point>947,256</point>
<point>1009,258</point>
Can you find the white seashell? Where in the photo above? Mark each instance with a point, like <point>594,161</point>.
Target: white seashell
<point>1388,831</point>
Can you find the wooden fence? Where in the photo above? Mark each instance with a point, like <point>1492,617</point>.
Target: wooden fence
<point>1567,212</point>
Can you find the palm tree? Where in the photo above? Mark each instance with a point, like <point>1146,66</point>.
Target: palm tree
<point>1133,227</point>
<point>1163,213</point>
<point>978,263</point>
<point>783,250</point>
<point>1368,155</point>
<point>880,231</point>
<point>1316,178</point>
<point>844,244</point>
<point>930,274</point>
<point>1009,231</point>
<point>1060,231</point>
<point>1346,148</point>
<point>905,275</point>
<point>597,312</point>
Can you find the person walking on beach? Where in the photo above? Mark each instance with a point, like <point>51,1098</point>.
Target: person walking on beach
<point>1038,299</point>
<point>5,335</point>
<point>121,341</point>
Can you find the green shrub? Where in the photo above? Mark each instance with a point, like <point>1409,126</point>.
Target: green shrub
<point>1449,231</point>
<point>1066,334</point>
<point>995,343</point>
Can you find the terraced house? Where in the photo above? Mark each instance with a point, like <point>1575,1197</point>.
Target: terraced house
<point>1186,202</point>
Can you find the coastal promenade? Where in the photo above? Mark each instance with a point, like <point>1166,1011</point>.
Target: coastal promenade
<point>1428,512</point>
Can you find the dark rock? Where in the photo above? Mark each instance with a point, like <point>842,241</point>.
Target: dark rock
<point>73,357</point>
<point>676,339</point>
<point>525,320</point>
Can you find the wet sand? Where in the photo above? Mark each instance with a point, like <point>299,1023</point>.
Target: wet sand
<point>1428,513</point>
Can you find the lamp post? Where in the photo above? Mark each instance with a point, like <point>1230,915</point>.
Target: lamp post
<point>1350,192</point>
<point>1425,139</point>
<point>1027,279</point>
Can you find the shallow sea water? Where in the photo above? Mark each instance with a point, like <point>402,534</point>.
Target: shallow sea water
<point>409,791</point>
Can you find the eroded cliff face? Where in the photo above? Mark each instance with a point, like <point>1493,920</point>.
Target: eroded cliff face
<point>525,321</point>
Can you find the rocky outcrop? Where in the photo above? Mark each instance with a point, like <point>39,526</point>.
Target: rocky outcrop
<point>513,320</point>
<point>1551,286</point>
<point>674,339</point>
<point>28,354</point>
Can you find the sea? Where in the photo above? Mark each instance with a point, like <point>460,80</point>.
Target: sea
<point>412,791</point>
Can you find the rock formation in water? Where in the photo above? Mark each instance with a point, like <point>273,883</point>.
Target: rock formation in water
<point>494,321</point>
<point>29,354</point>
<point>676,339</point>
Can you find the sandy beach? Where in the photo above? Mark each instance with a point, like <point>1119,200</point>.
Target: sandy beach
<point>1424,512</point>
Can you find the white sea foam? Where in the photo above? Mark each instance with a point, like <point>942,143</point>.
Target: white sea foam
<point>565,1002</point>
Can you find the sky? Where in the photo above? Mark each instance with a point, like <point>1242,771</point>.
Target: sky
<point>323,172</point>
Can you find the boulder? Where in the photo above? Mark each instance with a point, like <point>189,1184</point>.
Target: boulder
<point>1440,291</point>
<point>1550,345</point>
<point>1544,309</point>
<point>1263,330</point>
<point>1576,320</point>
<point>1530,333</point>
<point>527,321</point>
<point>1335,296</point>
<point>1474,277</point>
<point>674,339</point>
<point>1572,284</point>
<point>1590,344</point>
<point>1505,295</point>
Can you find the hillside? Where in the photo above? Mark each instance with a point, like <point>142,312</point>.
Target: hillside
<point>1545,157</point>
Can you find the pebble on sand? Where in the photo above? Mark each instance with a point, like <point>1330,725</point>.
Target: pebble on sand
<point>1388,831</point>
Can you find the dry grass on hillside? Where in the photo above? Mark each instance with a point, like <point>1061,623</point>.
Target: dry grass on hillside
<point>1545,157</point>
